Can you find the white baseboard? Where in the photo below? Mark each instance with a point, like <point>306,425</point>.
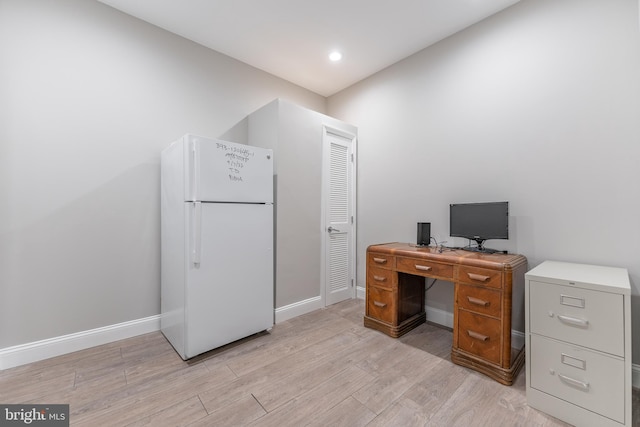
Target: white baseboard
<point>51,347</point>
<point>517,339</point>
<point>39,350</point>
<point>306,306</point>
<point>441,317</point>
<point>298,309</point>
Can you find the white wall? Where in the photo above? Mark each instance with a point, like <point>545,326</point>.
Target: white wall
<point>88,99</point>
<point>538,105</point>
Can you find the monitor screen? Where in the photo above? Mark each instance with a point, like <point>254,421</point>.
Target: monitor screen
<point>479,221</point>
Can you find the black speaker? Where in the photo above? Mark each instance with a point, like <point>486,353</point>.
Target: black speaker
<point>424,234</point>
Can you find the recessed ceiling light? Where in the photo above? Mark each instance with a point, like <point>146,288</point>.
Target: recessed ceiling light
<point>335,56</point>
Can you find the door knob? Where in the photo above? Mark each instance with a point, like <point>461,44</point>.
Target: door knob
<point>331,229</point>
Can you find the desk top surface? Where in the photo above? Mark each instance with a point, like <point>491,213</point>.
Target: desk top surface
<point>497,261</point>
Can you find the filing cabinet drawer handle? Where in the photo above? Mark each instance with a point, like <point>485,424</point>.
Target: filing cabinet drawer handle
<point>423,267</point>
<point>380,260</point>
<point>477,336</point>
<point>478,301</point>
<point>573,321</point>
<point>575,383</point>
<point>379,304</point>
<point>479,277</point>
<point>379,278</point>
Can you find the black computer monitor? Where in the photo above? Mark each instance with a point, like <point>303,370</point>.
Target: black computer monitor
<point>479,222</point>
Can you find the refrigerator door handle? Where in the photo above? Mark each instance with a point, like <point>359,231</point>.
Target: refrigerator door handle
<point>195,169</point>
<point>196,228</point>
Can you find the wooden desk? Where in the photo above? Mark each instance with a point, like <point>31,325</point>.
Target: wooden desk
<point>484,289</point>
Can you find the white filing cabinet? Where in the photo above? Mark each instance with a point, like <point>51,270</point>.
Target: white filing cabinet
<point>578,343</point>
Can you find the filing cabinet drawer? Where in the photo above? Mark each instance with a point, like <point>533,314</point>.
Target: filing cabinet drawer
<point>481,300</point>
<point>479,335</point>
<point>578,316</point>
<point>421,267</point>
<point>588,379</point>
<point>480,276</point>
<point>381,278</point>
<point>381,260</point>
<point>381,304</point>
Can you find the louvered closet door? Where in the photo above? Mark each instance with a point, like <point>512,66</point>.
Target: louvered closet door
<point>339,214</point>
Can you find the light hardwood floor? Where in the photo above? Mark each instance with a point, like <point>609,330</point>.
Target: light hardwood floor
<point>320,369</point>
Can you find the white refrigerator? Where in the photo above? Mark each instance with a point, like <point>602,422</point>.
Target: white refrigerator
<point>217,252</point>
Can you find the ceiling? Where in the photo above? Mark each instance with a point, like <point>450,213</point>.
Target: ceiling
<point>293,38</point>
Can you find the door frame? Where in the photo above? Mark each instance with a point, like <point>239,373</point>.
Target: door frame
<point>326,129</point>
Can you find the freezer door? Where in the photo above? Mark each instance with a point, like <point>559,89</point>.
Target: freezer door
<point>229,291</point>
<point>221,171</point>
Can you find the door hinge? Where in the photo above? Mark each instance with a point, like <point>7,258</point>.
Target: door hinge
<point>351,219</point>
<point>352,283</point>
<point>351,157</point>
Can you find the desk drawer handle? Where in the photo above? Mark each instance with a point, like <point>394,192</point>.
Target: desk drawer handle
<point>573,321</point>
<point>578,384</point>
<point>380,260</point>
<point>379,278</point>
<point>423,267</point>
<point>478,301</point>
<point>479,277</point>
<point>478,336</point>
<point>379,304</point>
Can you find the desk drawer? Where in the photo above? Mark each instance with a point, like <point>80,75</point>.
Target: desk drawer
<point>381,260</point>
<point>381,304</point>
<point>589,379</point>
<point>380,277</point>
<point>421,267</point>
<point>480,276</point>
<point>479,335</point>
<point>579,316</point>
<point>481,300</point>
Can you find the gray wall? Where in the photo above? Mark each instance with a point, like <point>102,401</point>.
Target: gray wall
<point>88,99</point>
<point>538,105</point>
<point>296,136</point>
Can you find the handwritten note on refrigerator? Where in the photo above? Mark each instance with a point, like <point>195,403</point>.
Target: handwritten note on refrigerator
<point>237,159</point>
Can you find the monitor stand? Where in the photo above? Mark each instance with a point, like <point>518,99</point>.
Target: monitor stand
<point>480,248</point>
